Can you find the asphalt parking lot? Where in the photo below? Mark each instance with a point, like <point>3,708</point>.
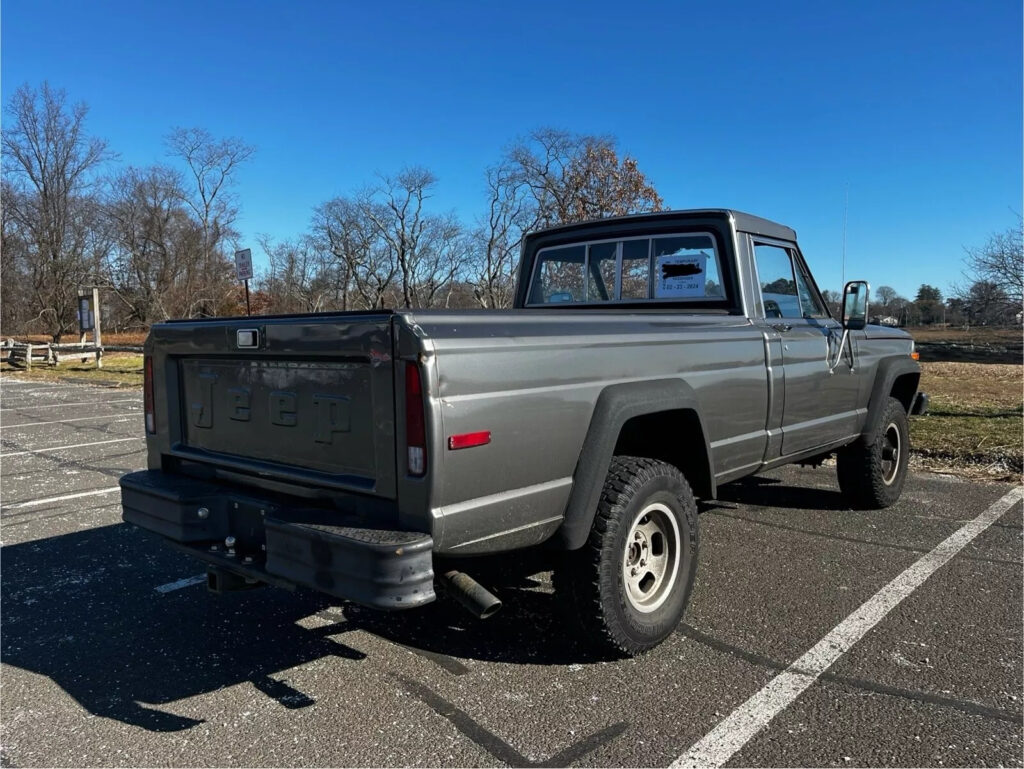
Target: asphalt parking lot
<point>114,654</point>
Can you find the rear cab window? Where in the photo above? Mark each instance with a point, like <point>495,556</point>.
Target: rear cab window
<point>684,267</point>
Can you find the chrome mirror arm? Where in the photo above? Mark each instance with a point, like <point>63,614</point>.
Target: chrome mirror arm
<point>839,355</point>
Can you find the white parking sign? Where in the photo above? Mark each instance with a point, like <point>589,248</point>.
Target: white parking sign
<point>243,264</point>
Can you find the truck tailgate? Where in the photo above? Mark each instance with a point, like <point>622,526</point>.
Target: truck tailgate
<point>313,398</point>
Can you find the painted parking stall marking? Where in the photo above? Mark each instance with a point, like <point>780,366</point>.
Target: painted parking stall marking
<point>60,405</point>
<point>62,498</point>
<point>744,723</point>
<point>262,667</point>
<point>73,419</point>
<point>65,448</point>
<point>181,583</point>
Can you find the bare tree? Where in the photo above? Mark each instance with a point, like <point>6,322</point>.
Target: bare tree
<point>442,254</point>
<point>342,228</point>
<point>885,295</point>
<point>499,236</point>
<point>400,220</point>
<point>301,277</point>
<point>211,163</point>
<point>579,177</point>
<point>50,170</point>
<point>551,177</point>
<point>389,246</point>
<point>15,261</point>
<point>1000,264</point>
<point>428,249</point>
<point>985,302</point>
<point>157,244</point>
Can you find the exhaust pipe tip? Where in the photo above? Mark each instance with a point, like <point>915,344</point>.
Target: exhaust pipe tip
<point>213,581</point>
<point>220,581</point>
<point>474,597</point>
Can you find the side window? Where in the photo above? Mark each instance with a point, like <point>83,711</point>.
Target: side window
<point>778,285</point>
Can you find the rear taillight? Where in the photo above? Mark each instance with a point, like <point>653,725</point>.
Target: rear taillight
<point>415,431</point>
<point>148,395</point>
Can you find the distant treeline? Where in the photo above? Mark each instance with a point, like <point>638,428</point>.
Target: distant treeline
<point>159,239</point>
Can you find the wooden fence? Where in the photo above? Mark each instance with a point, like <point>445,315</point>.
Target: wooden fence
<point>25,355</point>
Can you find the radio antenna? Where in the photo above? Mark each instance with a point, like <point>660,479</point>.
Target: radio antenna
<point>846,210</point>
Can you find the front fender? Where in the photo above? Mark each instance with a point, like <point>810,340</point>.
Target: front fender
<point>888,371</point>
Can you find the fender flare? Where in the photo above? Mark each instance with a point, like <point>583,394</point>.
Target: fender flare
<point>885,376</point>
<point>616,405</point>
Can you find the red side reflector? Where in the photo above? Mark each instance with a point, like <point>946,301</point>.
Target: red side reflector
<point>468,440</point>
<point>147,396</point>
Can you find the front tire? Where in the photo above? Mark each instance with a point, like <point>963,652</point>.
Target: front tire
<point>631,581</point>
<point>872,473</point>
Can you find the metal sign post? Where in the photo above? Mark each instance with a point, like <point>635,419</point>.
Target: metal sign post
<point>243,269</point>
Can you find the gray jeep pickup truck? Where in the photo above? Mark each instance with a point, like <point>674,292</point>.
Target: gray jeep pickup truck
<point>649,360</point>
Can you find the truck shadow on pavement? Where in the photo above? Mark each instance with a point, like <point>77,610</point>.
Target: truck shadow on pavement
<point>82,610</point>
<point>760,491</point>
<point>531,628</point>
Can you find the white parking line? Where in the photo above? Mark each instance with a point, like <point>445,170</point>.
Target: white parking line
<point>45,387</point>
<point>179,584</point>
<point>28,382</point>
<point>750,718</point>
<point>62,405</point>
<point>72,446</point>
<point>37,502</point>
<point>133,415</point>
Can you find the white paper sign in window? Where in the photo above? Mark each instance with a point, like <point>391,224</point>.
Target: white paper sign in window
<point>681,275</point>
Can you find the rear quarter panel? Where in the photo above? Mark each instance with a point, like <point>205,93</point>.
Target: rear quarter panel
<point>532,379</point>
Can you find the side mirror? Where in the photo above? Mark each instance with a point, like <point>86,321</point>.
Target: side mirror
<point>855,305</point>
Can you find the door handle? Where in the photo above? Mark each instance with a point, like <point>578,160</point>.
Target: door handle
<point>782,327</point>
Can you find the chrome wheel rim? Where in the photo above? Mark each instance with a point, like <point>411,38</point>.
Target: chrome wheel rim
<point>891,451</point>
<point>650,563</point>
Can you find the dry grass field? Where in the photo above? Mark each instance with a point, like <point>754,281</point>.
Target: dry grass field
<point>974,425</point>
<point>973,335</point>
<point>120,369</point>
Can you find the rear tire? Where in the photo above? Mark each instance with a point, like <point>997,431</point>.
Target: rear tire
<point>872,472</point>
<point>631,581</point>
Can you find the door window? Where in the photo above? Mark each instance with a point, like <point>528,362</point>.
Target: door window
<point>786,288</point>
<point>778,285</point>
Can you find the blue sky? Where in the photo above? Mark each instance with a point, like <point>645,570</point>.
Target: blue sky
<point>769,107</point>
